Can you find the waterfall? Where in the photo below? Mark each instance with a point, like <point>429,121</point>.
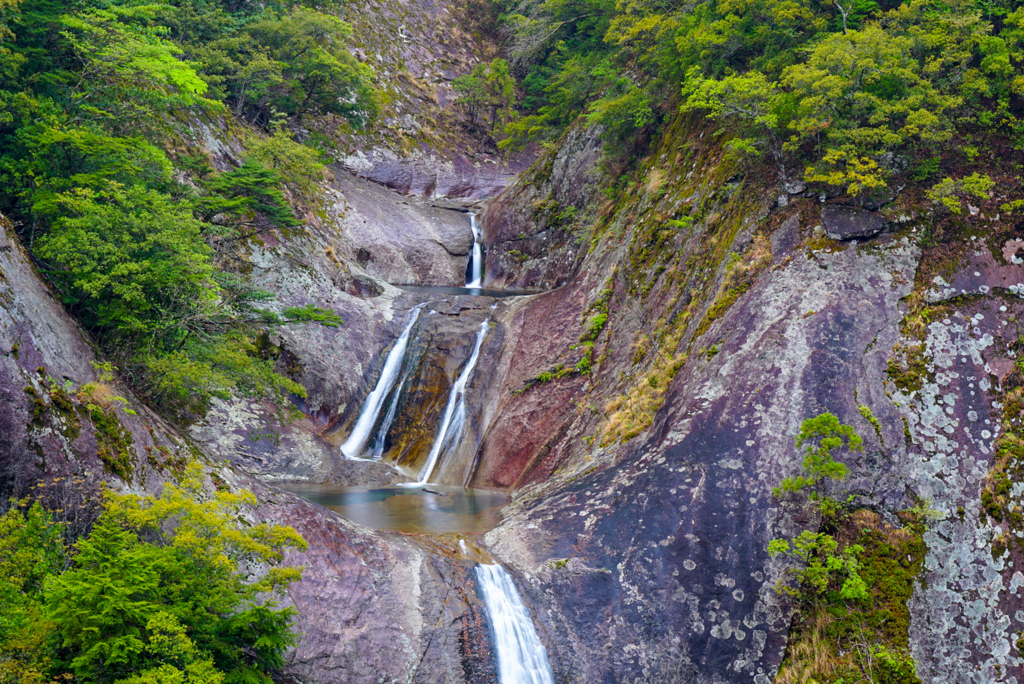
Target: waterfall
<point>455,413</point>
<point>353,446</point>
<point>389,418</point>
<point>475,272</point>
<point>521,655</point>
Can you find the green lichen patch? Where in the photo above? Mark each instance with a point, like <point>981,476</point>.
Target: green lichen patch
<point>998,504</point>
<point>835,640</point>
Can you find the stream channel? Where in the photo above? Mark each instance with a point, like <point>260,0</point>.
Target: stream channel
<point>425,507</point>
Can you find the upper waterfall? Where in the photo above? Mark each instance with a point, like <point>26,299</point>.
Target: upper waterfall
<point>475,270</point>
<point>455,412</point>
<point>353,446</point>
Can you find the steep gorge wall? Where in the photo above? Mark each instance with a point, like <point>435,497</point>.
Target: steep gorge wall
<point>732,318</point>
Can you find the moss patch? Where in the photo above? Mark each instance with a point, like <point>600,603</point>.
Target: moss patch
<point>834,640</point>
<point>113,442</point>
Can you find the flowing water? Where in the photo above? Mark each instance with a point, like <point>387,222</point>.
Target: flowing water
<point>475,267</point>
<point>353,446</point>
<point>421,507</point>
<point>389,418</point>
<point>455,412</point>
<point>522,658</point>
<point>433,509</point>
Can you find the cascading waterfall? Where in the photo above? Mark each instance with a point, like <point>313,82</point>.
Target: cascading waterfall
<point>389,418</point>
<point>475,271</point>
<point>455,412</point>
<point>353,446</point>
<point>522,658</point>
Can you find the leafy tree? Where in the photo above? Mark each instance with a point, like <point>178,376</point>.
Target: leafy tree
<point>243,194</point>
<point>488,87</point>
<point>31,550</point>
<point>820,436</point>
<point>819,562</point>
<point>128,258</point>
<point>299,166</point>
<point>817,554</point>
<point>128,73</point>
<point>304,68</point>
<point>175,588</point>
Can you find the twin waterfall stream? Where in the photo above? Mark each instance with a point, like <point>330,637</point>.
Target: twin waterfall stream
<point>521,656</point>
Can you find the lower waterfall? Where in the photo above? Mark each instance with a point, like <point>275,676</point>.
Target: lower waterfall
<point>353,446</point>
<point>455,412</point>
<point>522,658</point>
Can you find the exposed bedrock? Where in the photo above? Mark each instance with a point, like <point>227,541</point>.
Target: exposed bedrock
<point>667,577</point>
<point>534,228</point>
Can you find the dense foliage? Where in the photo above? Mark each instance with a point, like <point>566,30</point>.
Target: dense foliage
<point>854,96</point>
<point>98,99</point>
<point>162,589</point>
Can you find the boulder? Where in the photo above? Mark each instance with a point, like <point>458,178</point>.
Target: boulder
<point>850,223</point>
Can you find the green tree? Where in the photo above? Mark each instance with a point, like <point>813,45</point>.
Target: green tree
<point>315,73</point>
<point>489,87</point>
<point>129,258</point>
<point>243,195</point>
<point>31,550</point>
<point>819,563</point>
<point>175,588</point>
<point>819,560</point>
<point>820,436</point>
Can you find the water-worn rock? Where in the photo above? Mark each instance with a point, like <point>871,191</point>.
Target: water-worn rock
<point>850,223</point>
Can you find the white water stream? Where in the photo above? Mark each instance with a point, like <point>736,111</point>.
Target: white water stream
<point>522,658</point>
<point>455,412</point>
<point>356,441</point>
<point>475,272</point>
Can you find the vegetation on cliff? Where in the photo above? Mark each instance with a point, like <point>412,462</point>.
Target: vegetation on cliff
<point>853,97</point>
<point>851,579</point>
<point>175,588</point>
<point>98,105</point>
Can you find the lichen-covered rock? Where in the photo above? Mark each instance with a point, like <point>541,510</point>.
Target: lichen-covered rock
<point>668,571</point>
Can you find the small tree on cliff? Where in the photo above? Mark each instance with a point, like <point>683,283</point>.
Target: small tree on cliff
<point>819,560</point>
<point>488,87</point>
<point>820,436</point>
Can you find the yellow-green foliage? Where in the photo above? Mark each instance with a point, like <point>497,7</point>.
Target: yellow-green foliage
<point>169,588</point>
<point>950,192</point>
